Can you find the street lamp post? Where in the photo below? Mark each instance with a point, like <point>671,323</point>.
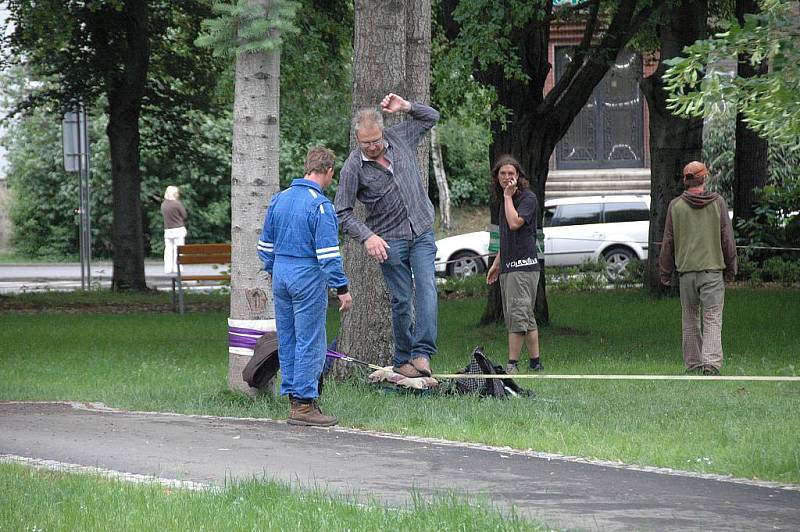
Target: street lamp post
<point>76,159</point>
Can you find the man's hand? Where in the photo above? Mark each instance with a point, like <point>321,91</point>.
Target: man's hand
<point>345,302</point>
<point>510,189</point>
<point>392,103</point>
<point>376,248</point>
<point>492,275</point>
<point>666,281</point>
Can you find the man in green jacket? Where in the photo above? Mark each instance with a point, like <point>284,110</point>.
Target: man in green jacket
<point>698,242</point>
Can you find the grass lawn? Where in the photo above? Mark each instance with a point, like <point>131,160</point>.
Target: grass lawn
<point>166,362</point>
<point>44,500</point>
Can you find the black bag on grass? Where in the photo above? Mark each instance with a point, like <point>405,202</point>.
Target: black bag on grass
<point>481,365</point>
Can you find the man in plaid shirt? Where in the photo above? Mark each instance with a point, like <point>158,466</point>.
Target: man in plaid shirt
<point>382,173</point>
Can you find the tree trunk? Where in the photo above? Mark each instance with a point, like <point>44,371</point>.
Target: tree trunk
<point>254,179</point>
<point>392,54</point>
<point>674,141</point>
<point>441,179</point>
<point>124,105</point>
<point>750,158</point>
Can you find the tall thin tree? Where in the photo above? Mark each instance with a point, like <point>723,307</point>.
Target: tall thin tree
<point>251,30</point>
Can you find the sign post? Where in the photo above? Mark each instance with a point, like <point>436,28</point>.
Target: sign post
<point>76,159</point>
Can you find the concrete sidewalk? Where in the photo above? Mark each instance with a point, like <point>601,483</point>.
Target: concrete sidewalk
<point>565,492</point>
<point>33,277</point>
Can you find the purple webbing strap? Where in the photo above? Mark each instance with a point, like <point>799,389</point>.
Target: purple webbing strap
<point>240,330</point>
<point>246,338</point>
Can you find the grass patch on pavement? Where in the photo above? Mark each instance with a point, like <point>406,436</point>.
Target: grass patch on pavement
<point>167,362</point>
<point>46,500</point>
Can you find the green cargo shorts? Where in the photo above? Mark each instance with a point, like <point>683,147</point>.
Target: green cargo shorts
<point>518,290</point>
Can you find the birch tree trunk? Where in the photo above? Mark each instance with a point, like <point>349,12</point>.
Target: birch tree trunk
<point>441,179</point>
<point>392,54</point>
<point>254,179</point>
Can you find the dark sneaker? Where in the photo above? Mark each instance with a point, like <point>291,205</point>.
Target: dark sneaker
<point>695,370</point>
<point>536,366</point>
<point>710,371</point>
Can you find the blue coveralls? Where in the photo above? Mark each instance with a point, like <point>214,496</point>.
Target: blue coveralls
<point>299,246</point>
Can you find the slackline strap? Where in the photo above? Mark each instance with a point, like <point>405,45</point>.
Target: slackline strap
<point>625,377</point>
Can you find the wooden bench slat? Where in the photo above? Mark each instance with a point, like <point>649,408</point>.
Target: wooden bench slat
<point>204,248</point>
<point>204,259</point>
<point>200,254</point>
<point>205,277</point>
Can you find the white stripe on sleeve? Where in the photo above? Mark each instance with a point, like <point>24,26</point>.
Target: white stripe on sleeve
<point>329,256</point>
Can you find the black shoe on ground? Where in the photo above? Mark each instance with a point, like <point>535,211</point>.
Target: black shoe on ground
<point>536,365</point>
<point>710,371</point>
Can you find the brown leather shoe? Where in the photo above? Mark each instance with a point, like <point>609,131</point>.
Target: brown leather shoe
<point>423,365</point>
<point>407,370</point>
<point>308,414</point>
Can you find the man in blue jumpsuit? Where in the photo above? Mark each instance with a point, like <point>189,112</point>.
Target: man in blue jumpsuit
<point>299,247</point>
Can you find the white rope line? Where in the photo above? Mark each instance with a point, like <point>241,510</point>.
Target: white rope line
<point>515,376</point>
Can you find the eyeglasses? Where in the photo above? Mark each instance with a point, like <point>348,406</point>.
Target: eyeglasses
<point>368,143</point>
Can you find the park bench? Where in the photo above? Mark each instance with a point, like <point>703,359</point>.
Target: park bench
<point>199,254</point>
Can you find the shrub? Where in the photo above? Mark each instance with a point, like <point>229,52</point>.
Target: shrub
<point>465,148</point>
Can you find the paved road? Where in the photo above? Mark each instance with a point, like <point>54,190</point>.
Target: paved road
<point>566,493</point>
<point>16,278</point>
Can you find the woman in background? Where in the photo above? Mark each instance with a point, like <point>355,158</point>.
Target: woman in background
<point>174,227</point>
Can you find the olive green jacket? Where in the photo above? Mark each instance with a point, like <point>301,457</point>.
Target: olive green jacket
<point>698,236</point>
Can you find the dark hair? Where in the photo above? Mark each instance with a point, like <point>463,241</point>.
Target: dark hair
<point>522,178</point>
<point>319,160</point>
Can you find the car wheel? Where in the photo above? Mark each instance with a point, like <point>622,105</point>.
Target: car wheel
<point>466,263</point>
<point>617,259</point>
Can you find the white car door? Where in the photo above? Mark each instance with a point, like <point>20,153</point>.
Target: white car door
<point>628,223</point>
<point>573,234</point>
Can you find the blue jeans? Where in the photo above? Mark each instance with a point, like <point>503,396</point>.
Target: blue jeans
<point>408,270</point>
<point>301,300</point>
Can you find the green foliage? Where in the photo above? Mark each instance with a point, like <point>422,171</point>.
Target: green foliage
<point>185,137</point>
<point>465,148</point>
<point>316,68</point>
<point>487,31</point>
<point>769,101</point>
<point>46,197</point>
<point>719,136</point>
<point>454,90</point>
<point>244,26</point>
<point>776,224</point>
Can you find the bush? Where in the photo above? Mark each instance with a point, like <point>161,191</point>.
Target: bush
<point>465,148</point>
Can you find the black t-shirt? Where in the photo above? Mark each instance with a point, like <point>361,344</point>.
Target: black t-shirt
<point>518,252</point>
